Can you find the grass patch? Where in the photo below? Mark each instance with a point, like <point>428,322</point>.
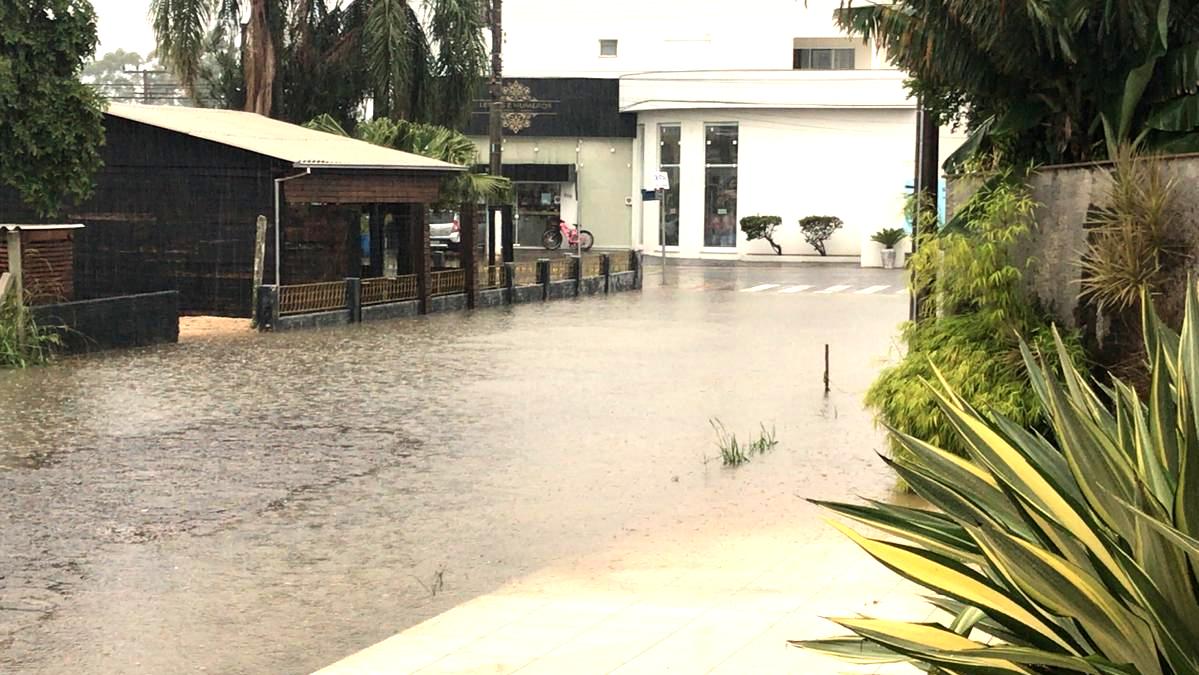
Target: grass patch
<point>23,342</point>
<point>735,453</point>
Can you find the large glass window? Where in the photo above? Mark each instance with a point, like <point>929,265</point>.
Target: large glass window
<point>720,186</point>
<point>823,59</point>
<point>538,208</point>
<point>669,155</point>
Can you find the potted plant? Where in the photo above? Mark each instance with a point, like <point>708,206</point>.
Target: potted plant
<point>889,237</point>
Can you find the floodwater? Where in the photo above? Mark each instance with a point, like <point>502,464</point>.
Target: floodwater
<point>255,504</point>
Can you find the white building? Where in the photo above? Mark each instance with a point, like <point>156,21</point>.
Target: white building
<point>760,107</point>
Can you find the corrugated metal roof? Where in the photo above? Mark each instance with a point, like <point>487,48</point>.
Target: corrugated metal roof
<point>282,140</point>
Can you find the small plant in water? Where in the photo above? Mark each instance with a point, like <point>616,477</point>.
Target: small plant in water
<point>735,453</point>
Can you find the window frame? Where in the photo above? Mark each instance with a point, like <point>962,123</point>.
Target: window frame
<point>675,192</point>
<point>735,166</point>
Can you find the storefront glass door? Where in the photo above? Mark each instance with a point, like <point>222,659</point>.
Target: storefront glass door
<point>538,207</point>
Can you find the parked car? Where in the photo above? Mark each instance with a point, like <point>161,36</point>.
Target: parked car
<point>444,229</point>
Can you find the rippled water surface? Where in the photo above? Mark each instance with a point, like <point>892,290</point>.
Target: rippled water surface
<point>270,503</point>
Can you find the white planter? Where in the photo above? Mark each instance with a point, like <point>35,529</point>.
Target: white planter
<point>888,258</point>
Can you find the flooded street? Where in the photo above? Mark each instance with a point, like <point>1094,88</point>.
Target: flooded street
<point>271,503</point>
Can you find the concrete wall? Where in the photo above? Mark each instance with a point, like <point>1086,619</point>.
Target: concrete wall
<point>108,323</point>
<point>557,37</point>
<point>605,168</point>
<point>1053,252</point>
<point>853,164</point>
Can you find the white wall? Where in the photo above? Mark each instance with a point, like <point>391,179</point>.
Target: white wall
<point>853,164</point>
<point>560,38</point>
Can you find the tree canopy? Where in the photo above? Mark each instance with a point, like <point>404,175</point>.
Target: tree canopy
<point>1046,80</point>
<point>418,60</point>
<point>50,122</point>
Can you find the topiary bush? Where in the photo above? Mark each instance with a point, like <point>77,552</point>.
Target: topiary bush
<point>817,230</point>
<point>762,227</point>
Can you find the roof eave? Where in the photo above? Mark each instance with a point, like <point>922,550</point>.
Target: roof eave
<point>448,168</point>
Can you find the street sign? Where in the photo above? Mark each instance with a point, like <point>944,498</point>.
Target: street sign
<point>661,181</point>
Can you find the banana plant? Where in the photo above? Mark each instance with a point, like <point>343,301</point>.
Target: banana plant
<point>1073,553</point>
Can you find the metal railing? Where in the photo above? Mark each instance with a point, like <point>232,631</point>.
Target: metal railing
<point>490,276</point>
<point>319,297</point>
<point>593,266</point>
<point>379,290</point>
<point>562,269</point>
<point>620,262</point>
<point>447,282</point>
<point>524,274</point>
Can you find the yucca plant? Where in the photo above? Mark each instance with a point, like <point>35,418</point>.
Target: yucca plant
<point>1074,552</point>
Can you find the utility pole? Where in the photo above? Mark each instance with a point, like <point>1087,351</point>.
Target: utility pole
<point>927,184</point>
<point>496,111</point>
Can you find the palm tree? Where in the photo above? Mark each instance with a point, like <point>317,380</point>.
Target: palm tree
<point>432,141</point>
<point>1050,81</point>
<point>414,72</point>
<point>181,28</point>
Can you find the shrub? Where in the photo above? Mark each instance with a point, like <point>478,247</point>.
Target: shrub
<point>1073,555</point>
<point>762,227</point>
<point>818,229</point>
<point>1131,245</point>
<point>889,237</point>
<point>975,309</point>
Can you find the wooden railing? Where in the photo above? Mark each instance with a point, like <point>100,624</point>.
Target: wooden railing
<point>490,276</point>
<point>378,290</point>
<point>562,269</point>
<point>525,274</point>
<point>620,262</point>
<point>319,297</point>
<point>447,282</point>
<point>593,266</point>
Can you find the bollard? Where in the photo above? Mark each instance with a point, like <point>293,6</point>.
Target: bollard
<point>606,270</point>
<point>578,276</point>
<point>354,298</point>
<point>510,281</point>
<point>543,275</point>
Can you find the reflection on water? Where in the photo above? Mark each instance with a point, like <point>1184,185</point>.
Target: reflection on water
<point>270,503</point>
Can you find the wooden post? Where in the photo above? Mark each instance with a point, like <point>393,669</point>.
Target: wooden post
<point>422,253</point>
<point>466,234</point>
<point>18,286</point>
<point>259,268</point>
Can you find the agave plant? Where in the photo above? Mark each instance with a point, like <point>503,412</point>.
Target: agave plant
<point>1076,554</point>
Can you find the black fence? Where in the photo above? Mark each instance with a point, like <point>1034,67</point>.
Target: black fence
<point>110,323</point>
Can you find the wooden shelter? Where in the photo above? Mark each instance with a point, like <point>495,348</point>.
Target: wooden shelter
<point>181,189</point>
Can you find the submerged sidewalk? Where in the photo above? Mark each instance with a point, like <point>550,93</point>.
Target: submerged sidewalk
<point>723,602</point>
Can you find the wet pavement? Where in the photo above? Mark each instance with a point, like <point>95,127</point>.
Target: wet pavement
<point>250,504</point>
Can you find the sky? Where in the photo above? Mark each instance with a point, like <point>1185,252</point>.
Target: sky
<point>123,24</point>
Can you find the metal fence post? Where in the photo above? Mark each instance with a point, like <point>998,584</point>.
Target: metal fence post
<point>354,298</point>
<point>638,263</point>
<point>606,270</point>
<point>578,276</point>
<point>510,281</point>
<point>543,275</point>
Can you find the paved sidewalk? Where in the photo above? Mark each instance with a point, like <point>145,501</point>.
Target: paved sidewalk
<point>722,602</point>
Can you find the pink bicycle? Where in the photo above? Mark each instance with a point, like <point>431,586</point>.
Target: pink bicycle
<point>552,239</point>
